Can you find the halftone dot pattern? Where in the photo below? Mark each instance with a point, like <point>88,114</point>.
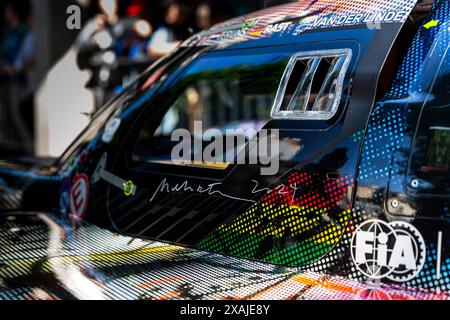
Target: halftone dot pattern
<point>382,139</point>
<point>338,260</point>
<point>295,224</point>
<point>427,278</point>
<point>388,123</point>
<point>412,67</point>
<point>389,131</point>
<point>358,136</point>
<point>122,269</point>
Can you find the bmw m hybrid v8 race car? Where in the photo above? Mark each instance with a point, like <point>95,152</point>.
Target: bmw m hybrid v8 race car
<point>358,208</point>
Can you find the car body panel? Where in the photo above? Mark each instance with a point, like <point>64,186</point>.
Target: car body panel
<point>39,247</point>
<point>328,159</point>
<point>349,169</point>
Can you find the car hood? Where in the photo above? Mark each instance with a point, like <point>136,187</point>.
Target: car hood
<point>42,257</point>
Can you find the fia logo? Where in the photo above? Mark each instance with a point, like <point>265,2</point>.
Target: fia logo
<point>393,250</point>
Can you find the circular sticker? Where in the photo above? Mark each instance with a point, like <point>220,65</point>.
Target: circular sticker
<point>79,197</point>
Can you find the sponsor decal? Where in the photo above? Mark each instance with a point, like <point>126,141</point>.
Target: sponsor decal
<point>232,35</point>
<point>277,28</point>
<point>110,130</point>
<point>248,24</point>
<point>65,192</point>
<point>256,32</point>
<point>100,173</point>
<point>395,250</point>
<point>79,197</point>
<point>83,157</point>
<point>371,20</point>
<point>431,24</point>
<point>129,188</point>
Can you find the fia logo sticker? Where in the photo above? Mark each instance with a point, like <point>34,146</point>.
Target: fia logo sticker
<point>393,250</point>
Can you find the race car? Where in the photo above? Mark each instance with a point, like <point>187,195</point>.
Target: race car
<point>301,152</point>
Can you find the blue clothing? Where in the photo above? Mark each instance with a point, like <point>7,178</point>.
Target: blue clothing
<point>26,51</point>
<point>24,58</point>
<point>10,47</point>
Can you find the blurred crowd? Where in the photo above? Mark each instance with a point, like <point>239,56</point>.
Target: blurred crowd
<point>118,39</point>
<point>17,54</point>
<point>122,37</point>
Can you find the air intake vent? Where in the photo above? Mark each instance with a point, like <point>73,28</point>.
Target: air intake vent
<point>312,85</point>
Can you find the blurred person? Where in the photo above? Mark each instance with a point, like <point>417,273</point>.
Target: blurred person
<point>134,33</point>
<point>64,104</point>
<point>117,43</point>
<point>174,30</point>
<point>25,59</point>
<point>16,57</point>
<point>25,64</point>
<point>203,16</point>
<point>16,30</point>
<point>109,11</point>
<point>2,24</point>
<point>99,36</point>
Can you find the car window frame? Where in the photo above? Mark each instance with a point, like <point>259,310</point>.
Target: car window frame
<point>171,169</point>
<point>281,124</point>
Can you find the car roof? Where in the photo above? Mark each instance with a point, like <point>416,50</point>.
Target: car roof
<point>301,16</point>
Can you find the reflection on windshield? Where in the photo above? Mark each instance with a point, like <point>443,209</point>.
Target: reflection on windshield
<point>228,94</point>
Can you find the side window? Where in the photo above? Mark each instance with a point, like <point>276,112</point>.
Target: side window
<point>429,172</point>
<point>224,93</point>
<point>312,85</point>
